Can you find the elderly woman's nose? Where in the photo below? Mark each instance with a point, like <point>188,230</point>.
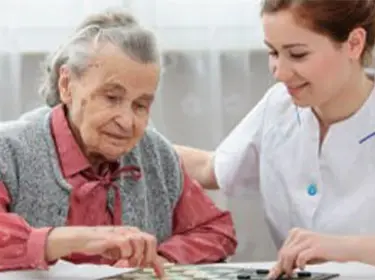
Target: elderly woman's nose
<point>125,119</point>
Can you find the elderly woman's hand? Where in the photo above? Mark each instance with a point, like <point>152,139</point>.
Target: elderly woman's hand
<point>125,243</point>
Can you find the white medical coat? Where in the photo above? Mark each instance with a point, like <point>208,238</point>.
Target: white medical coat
<point>276,148</point>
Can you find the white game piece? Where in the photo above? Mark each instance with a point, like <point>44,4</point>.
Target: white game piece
<point>200,276</point>
<point>190,272</point>
<point>176,268</point>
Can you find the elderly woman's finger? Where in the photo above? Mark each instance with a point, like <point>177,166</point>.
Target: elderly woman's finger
<point>121,263</point>
<point>150,251</point>
<point>139,245</point>
<point>158,267</point>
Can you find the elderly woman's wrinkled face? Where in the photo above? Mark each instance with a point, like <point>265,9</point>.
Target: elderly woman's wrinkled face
<point>109,104</point>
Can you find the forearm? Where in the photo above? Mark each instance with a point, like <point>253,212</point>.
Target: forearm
<point>24,247</point>
<point>62,242</point>
<point>361,249</point>
<point>21,247</point>
<point>199,165</point>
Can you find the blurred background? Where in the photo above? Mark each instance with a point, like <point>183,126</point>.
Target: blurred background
<point>215,71</point>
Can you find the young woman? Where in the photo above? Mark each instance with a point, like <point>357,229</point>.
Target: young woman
<point>309,143</point>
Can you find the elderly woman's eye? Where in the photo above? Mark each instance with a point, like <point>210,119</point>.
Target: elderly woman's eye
<point>113,98</point>
<point>140,106</point>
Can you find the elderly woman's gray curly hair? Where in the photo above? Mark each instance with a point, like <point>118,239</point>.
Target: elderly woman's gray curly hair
<point>116,27</point>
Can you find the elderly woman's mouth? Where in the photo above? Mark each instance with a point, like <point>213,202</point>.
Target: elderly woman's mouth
<point>117,136</point>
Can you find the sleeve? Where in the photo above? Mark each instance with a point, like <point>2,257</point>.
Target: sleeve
<point>201,232</point>
<point>236,160</point>
<point>21,246</point>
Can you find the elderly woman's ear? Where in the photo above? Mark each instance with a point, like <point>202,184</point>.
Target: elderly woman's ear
<point>64,85</point>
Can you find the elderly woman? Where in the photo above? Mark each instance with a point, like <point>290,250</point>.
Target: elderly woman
<point>86,180</point>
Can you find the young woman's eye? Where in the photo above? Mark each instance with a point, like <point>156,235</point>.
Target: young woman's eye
<point>272,53</point>
<point>298,55</point>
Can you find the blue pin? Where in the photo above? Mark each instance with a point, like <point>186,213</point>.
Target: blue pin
<point>312,189</point>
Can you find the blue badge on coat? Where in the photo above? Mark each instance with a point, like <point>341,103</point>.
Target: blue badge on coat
<point>312,189</point>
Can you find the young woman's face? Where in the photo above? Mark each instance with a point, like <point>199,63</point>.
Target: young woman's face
<point>313,67</point>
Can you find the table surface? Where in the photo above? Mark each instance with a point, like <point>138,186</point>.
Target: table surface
<point>347,271</point>
<point>68,271</point>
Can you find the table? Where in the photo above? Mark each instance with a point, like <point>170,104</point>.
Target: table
<point>68,271</point>
<point>347,271</point>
